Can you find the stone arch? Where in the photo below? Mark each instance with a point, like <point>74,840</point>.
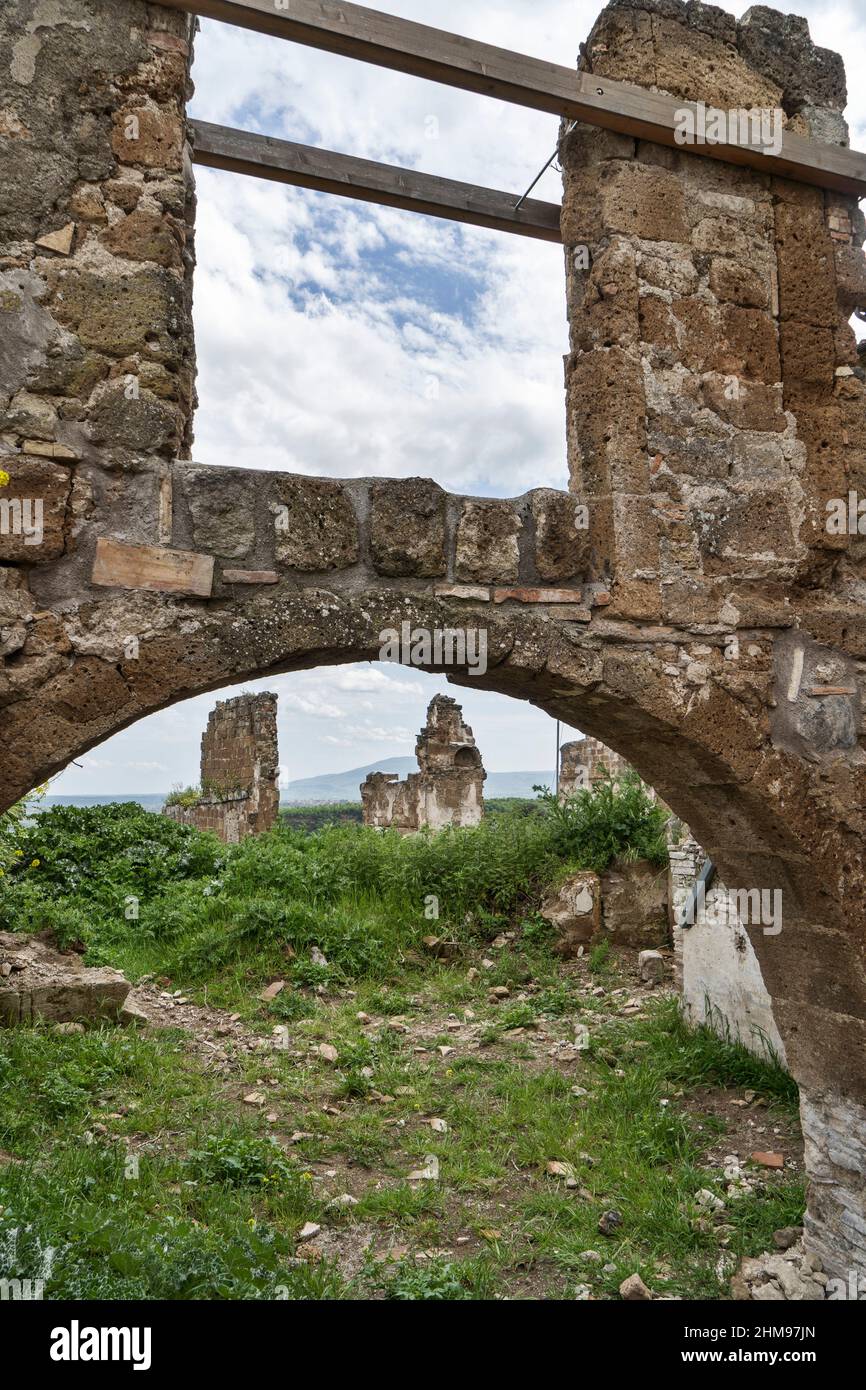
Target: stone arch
<point>707,626</point>
<point>467,758</point>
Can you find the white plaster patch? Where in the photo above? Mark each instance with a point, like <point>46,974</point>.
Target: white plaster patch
<point>47,15</point>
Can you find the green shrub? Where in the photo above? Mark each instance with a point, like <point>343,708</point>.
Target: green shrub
<point>240,1159</point>
<point>100,855</point>
<point>183,796</point>
<point>436,1280</point>
<point>616,820</point>
<point>203,909</point>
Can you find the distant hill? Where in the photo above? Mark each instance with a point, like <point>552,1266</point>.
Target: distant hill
<point>334,786</point>
<point>344,786</point>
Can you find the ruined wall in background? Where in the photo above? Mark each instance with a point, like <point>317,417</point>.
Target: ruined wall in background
<point>448,789</point>
<point>239,771</point>
<point>586,762</point>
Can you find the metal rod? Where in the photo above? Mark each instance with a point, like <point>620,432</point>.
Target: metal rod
<point>541,174</point>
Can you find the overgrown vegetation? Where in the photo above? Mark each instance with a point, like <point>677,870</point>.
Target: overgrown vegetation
<point>147,894</point>
<point>183,796</point>
<point>618,819</point>
<point>130,1169</point>
<point>316,817</point>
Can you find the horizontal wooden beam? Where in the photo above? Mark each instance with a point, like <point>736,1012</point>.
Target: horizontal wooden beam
<point>417,49</point>
<point>219,147</point>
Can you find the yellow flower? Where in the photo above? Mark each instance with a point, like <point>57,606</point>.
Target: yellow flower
<point>4,477</point>
<point>34,863</point>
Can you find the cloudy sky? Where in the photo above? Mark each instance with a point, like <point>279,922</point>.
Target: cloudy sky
<point>339,339</point>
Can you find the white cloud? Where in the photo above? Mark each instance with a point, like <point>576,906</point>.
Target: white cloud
<point>372,678</point>
<point>316,708</point>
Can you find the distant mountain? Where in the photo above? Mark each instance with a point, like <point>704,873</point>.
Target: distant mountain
<point>334,786</point>
<point>345,786</point>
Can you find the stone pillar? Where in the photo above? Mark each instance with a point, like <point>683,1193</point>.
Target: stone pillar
<point>239,770</point>
<point>96,345</point>
<point>715,408</point>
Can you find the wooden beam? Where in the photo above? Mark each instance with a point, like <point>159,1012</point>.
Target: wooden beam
<point>417,49</point>
<point>219,147</point>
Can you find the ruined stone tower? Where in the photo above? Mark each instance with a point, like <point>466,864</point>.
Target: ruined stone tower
<point>448,789</point>
<point>239,770</point>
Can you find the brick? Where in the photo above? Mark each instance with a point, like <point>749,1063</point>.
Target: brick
<point>643,202</point>
<point>561,538</point>
<point>33,509</point>
<point>148,136</point>
<point>250,577</point>
<point>315,522</point>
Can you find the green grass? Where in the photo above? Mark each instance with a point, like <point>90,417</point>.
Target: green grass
<point>146,1175</point>
<point>123,1176</point>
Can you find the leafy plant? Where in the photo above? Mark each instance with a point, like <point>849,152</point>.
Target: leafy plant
<point>617,819</point>
<point>436,1280</point>
<point>239,1159</point>
<point>183,796</point>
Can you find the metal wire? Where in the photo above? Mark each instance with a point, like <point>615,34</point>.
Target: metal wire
<point>543,171</point>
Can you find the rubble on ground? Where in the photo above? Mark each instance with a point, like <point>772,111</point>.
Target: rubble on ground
<point>37,981</point>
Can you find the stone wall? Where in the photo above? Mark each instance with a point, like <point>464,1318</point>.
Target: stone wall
<point>708,622</point>
<point>239,771</point>
<point>712,369</point>
<point>97,363</point>
<point>715,410</point>
<point>584,763</point>
<point>448,789</point>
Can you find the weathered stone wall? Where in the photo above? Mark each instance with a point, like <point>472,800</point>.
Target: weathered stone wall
<point>448,789</point>
<point>584,763</point>
<point>96,350</point>
<point>708,626</point>
<point>239,771</point>
<point>715,409</point>
<point>709,335</point>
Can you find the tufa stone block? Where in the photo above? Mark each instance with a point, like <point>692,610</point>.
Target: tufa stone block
<point>487,547</point>
<point>316,526</point>
<point>407,528</point>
